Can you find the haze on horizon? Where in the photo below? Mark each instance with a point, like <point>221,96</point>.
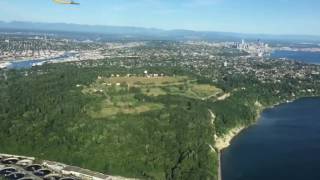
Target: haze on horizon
<point>243,16</point>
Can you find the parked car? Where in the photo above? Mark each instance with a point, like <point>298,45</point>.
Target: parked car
<point>52,177</point>
<point>7,170</point>
<point>42,172</point>
<point>10,161</point>
<point>15,176</point>
<point>33,167</point>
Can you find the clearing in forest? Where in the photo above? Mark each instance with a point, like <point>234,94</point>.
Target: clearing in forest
<point>118,94</point>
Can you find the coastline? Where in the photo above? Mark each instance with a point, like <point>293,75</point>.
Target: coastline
<point>225,141</point>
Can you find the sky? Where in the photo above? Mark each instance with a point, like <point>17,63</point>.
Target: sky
<point>243,16</point>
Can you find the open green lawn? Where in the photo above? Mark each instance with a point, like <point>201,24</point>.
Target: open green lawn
<point>118,94</point>
<point>194,90</point>
<point>205,90</point>
<point>154,91</point>
<point>138,81</point>
<point>125,108</point>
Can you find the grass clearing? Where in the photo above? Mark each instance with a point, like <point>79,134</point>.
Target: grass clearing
<point>138,81</point>
<point>194,90</point>
<point>119,99</point>
<point>155,91</point>
<point>205,90</point>
<point>107,111</point>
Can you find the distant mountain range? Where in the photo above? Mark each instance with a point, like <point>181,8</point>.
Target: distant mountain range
<point>122,32</point>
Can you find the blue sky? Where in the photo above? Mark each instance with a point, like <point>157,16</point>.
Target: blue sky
<point>247,16</point>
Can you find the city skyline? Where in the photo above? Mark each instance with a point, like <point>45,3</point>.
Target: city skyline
<point>244,16</point>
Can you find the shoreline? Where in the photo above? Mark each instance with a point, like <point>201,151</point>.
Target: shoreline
<point>226,140</point>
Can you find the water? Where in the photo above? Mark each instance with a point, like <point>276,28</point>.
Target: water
<point>29,63</point>
<point>23,64</point>
<point>283,145</point>
<point>307,57</point>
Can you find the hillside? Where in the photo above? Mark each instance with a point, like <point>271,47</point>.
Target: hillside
<point>150,130</point>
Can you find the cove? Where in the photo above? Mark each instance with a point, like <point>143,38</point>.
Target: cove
<point>283,145</point>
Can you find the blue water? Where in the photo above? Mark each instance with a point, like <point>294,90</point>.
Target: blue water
<point>283,145</point>
<point>28,63</point>
<point>23,64</point>
<point>307,57</point>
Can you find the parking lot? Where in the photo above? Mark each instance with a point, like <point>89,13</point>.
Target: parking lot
<point>25,169</point>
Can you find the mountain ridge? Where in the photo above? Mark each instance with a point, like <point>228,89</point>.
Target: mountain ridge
<point>152,33</point>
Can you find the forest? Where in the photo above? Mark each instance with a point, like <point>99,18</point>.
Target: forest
<point>46,112</point>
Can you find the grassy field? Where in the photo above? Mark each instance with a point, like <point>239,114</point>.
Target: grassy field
<point>153,91</point>
<point>118,93</point>
<point>193,90</point>
<point>138,81</point>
